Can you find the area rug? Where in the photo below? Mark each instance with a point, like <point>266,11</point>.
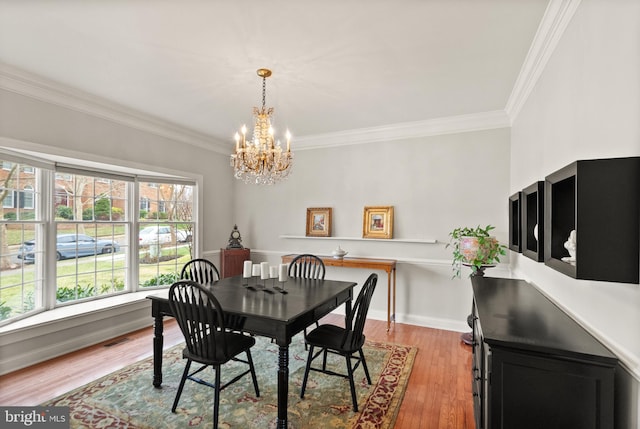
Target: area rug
<point>127,399</point>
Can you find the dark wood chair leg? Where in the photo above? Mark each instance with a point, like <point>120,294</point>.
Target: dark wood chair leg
<point>253,374</point>
<point>306,372</point>
<point>352,384</point>
<point>181,386</point>
<point>216,399</point>
<point>364,366</point>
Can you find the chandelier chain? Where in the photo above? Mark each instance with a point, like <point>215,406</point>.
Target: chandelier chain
<point>264,92</point>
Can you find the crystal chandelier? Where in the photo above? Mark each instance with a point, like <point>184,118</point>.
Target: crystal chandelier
<point>261,160</point>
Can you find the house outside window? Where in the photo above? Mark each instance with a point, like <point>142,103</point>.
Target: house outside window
<point>27,198</point>
<point>7,201</point>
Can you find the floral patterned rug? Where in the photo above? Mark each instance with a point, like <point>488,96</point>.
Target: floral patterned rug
<point>127,399</point>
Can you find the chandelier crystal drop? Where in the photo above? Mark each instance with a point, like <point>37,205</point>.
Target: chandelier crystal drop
<point>261,160</point>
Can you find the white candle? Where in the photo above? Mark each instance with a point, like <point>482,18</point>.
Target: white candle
<point>288,141</point>
<point>246,269</point>
<point>264,270</point>
<point>273,272</point>
<point>283,273</point>
<point>255,269</point>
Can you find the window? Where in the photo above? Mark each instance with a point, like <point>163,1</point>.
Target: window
<point>94,254</point>
<point>165,235</point>
<point>92,239</point>
<point>19,230</point>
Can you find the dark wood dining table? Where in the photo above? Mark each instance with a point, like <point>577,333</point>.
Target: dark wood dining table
<point>267,313</point>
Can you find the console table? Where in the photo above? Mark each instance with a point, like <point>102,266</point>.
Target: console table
<point>387,265</point>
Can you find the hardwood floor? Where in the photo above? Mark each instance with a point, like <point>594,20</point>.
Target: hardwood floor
<point>438,395</point>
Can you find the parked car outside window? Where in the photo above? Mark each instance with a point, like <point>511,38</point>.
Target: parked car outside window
<point>71,246</point>
<point>161,234</point>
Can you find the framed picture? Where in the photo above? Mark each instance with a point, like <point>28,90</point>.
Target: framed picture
<point>319,222</point>
<point>377,222</point>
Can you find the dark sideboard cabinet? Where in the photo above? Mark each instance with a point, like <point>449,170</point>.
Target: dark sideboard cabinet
<point>232,261</point>
<point>533,366</point>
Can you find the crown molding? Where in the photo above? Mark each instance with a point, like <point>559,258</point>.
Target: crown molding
<point>554,22</point>
<point>408,130</point>
<point>24,83</point>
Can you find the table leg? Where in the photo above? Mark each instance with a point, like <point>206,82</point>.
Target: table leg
<point>393,316</point>
<point>158,341</point>
<point>283,386</point>
<point>389,301</point>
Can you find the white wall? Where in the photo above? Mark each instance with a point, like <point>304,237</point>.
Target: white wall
<point>434,183</point>
<point>586,105</point>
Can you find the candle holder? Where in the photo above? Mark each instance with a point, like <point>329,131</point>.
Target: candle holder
<point>255,272</point>
<point>245,279</point>
<point>282,283</point>
<point>273,275</point>
<point>281,289</point>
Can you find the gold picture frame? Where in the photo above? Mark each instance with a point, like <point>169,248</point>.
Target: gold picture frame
<point>319,221</point>
<point>377,222</point>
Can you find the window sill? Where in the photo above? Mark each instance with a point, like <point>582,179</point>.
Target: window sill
<point>73,311</point>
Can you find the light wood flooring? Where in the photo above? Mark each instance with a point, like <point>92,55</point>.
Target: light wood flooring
<point>438,395</point>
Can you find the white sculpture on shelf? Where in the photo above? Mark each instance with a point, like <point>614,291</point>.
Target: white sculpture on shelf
<point>570,245</point>
<point>339,253</point>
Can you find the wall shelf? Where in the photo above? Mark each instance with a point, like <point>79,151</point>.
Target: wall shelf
<point>600,200</point>
<point>392,240</point>
<point>515,203</point>
<point>532,209</point>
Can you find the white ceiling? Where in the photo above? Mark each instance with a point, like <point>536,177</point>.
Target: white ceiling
<point>337,65</point>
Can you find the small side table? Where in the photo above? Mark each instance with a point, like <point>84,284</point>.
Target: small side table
<point>232,260</point>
